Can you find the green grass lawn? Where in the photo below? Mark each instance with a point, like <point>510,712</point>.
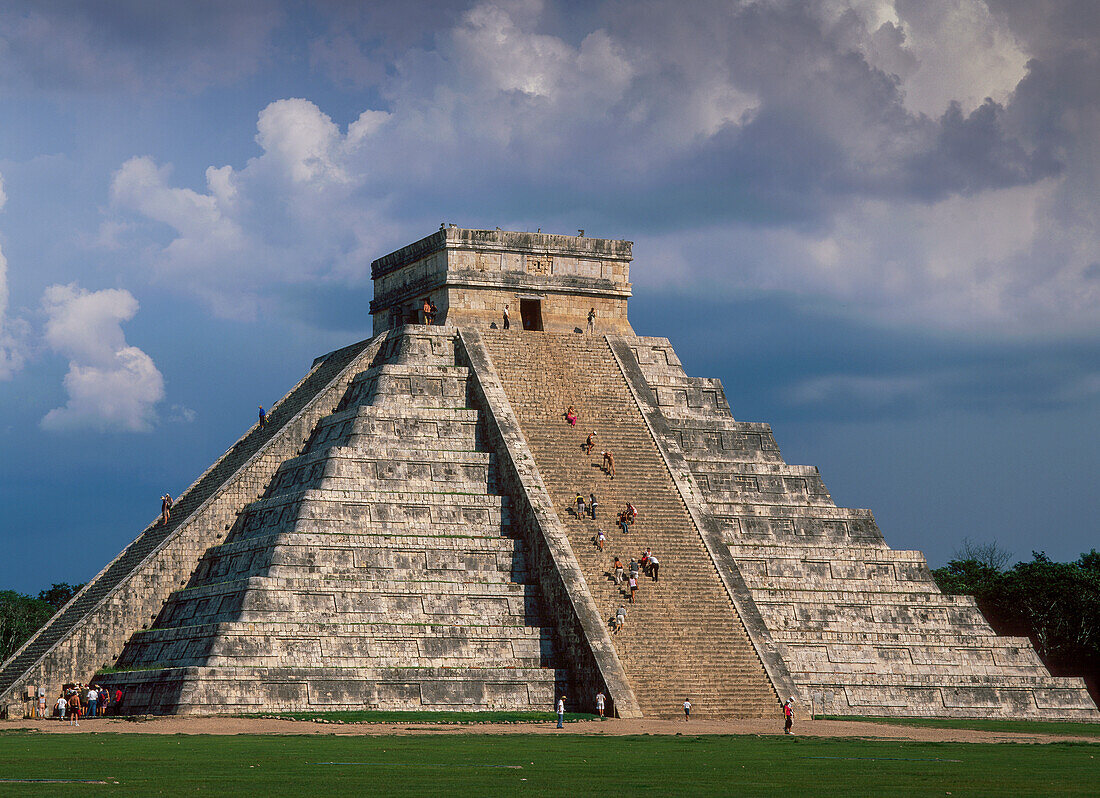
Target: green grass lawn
<point>376,716</point>
<point>565,764</point>
<point>1027,726</point>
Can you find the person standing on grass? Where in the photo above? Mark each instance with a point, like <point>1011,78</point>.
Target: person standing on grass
<point>561,711</point>
<point>687,710</point>
<point>599,703</point>
<point>788,715</point>
<point>74,709</point>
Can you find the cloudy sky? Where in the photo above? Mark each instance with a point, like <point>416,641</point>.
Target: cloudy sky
<point>877,221</point>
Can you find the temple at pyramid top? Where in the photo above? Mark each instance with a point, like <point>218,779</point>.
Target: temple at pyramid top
<point>547,282</point>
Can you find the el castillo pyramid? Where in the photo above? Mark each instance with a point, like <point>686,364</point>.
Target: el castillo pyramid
<point>401,535</point>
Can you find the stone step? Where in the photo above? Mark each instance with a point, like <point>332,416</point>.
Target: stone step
<point>679,625</point>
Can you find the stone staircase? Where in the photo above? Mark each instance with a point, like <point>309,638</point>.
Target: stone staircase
<point>683,638</point>
<point>133,585</point>
<point>864,629</point>
<point>378,570</point>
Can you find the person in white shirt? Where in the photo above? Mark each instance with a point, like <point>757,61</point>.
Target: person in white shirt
<point>599,703</point>
<point>561,712</point>
<point>687,709</point>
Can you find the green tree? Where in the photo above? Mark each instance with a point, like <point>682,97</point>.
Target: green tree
<point>58,595</point>
<point>20,617</point>
<point>1056,605</point>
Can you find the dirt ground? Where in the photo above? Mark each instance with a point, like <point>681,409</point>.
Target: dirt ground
<point>817,728</point>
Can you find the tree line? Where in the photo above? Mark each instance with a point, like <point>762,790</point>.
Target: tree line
<point>22,615</point>
<point>1055,604</point>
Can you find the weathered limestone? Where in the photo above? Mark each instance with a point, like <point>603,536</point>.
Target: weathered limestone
<point>400,535</point>
<point>547,281</point>
<point>684,637</point>
<point>862,628</point>
<point>90,631</point>
<point>378,570</point>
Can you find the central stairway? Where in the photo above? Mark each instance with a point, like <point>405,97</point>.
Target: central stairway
<point>683,638</point>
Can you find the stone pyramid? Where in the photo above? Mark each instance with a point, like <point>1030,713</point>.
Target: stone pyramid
<point>402,535</point>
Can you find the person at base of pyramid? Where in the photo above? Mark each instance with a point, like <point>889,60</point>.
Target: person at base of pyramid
<point>788,715</point>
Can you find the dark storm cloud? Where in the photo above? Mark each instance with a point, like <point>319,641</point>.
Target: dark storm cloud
<point>973,153</point>
<point>821,126</point>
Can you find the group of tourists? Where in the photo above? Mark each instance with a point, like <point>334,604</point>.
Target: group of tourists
<point>78,701</point>
<point>647,564</point>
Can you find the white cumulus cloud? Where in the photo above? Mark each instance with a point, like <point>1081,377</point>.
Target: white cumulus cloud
<point>111,385</point>
<point>843,148</point>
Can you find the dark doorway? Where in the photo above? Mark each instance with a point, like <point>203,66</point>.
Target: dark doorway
<point>530,313</point>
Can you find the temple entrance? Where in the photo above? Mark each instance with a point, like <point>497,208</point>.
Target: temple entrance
<point>530,313</point>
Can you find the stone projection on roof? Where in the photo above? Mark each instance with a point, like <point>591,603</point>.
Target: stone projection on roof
<point>403,534</point>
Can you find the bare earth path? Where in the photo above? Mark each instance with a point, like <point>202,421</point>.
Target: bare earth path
<point>656,726</point>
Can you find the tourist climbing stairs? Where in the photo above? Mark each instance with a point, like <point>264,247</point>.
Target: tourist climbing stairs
<point>683,638</point>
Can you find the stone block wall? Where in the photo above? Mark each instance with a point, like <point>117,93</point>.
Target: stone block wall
<point>863,629</point>
<point>378,569</point>
<point>132,600</point>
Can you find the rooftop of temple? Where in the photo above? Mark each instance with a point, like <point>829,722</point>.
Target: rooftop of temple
<point>543,281</point>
